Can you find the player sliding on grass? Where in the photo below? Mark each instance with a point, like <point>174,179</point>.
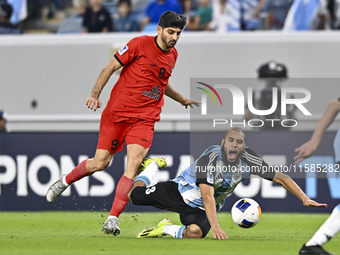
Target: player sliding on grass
<point>332,225</point>
<point>134,106</point>
<point>200,190</point>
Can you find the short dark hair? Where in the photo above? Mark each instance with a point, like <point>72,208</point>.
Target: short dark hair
<point>172,19</point>
<point>124,1</point>
<point>6,11</point>
<point>237,129</point>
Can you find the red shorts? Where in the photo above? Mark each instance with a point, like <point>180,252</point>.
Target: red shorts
<point>115,129</point>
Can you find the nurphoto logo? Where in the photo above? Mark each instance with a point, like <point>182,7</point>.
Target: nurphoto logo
<point>238,104</point>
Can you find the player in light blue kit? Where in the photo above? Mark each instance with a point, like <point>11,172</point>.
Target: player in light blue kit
<point>332,225</point>
<point>200,190</point>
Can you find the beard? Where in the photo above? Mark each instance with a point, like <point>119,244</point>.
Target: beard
<point>225,157</point>
<point>168,44</point>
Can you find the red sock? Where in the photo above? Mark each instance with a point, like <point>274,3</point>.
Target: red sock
<point>77,173</point>
<point>121,198</point>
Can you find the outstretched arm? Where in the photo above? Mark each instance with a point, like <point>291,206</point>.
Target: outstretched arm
<point>173,94</point>
<point>286,182</point>
<point>207,193</point>
<point>308,148</point>
<point>92,101</point>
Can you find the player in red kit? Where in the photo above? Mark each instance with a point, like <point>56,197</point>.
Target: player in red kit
<point>134,106</point>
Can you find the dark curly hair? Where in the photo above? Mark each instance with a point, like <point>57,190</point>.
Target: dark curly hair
<point>172,19</point>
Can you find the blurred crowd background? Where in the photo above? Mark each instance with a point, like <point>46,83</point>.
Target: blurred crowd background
<point>98,16</point>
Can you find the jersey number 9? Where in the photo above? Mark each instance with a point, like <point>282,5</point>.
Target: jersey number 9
<point>161,73</point>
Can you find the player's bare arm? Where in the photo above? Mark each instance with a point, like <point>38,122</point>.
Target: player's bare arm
<point>307,149</point>
<point>210,209</point>
<point>92,101</point>
<point>286,182</point>
<point>173,94</point>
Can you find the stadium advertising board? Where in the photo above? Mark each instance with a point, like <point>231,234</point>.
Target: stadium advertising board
<point>31,162</point>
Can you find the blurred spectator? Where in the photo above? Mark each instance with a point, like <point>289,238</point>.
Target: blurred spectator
<point>236,15</point>
<point>202,16</point>
<point>80,6</point>
<point>250,14</point>
<point>273,74</point>
<point>187,10</point>
<point>321,19</point>
<point>277,11</point>
<point>307,15</point>
<point>5,25</point>
<point>226,16</point>
<point>333,7</point>
<point>219,17</point>
<point>97,19</point>
<point>48,12</point>
<point>126,21</point>
<point>3,122</point>
<point>156,8</point>
<point>19,10</point>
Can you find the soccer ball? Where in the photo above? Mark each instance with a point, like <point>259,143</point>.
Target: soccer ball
<point>246,213</point>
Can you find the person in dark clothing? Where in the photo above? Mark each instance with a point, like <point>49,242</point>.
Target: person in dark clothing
<point>126,21</point>
<point>97,19</point>
<point>6,27</point>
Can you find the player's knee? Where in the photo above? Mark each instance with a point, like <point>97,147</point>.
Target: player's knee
<point>136,184</point>
<point>133,166</point>
<point>192,231</point>
<point>129,195</point>
<point>137,196</point>
<point>133,196</point>
<point>136,161</point>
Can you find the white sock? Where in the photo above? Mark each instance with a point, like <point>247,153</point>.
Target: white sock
<point>329,229</point>
<point>173,230</point>
<point>148,175</point>
<point>111,216</point>
<point>64,181</point>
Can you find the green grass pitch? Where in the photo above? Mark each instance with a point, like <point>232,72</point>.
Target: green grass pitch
<point>80,233</point>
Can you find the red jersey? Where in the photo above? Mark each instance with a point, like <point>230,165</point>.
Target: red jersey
<point>139,92</point>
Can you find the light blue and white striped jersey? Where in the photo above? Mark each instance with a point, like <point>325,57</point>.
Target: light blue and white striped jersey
<point>210,169</point>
